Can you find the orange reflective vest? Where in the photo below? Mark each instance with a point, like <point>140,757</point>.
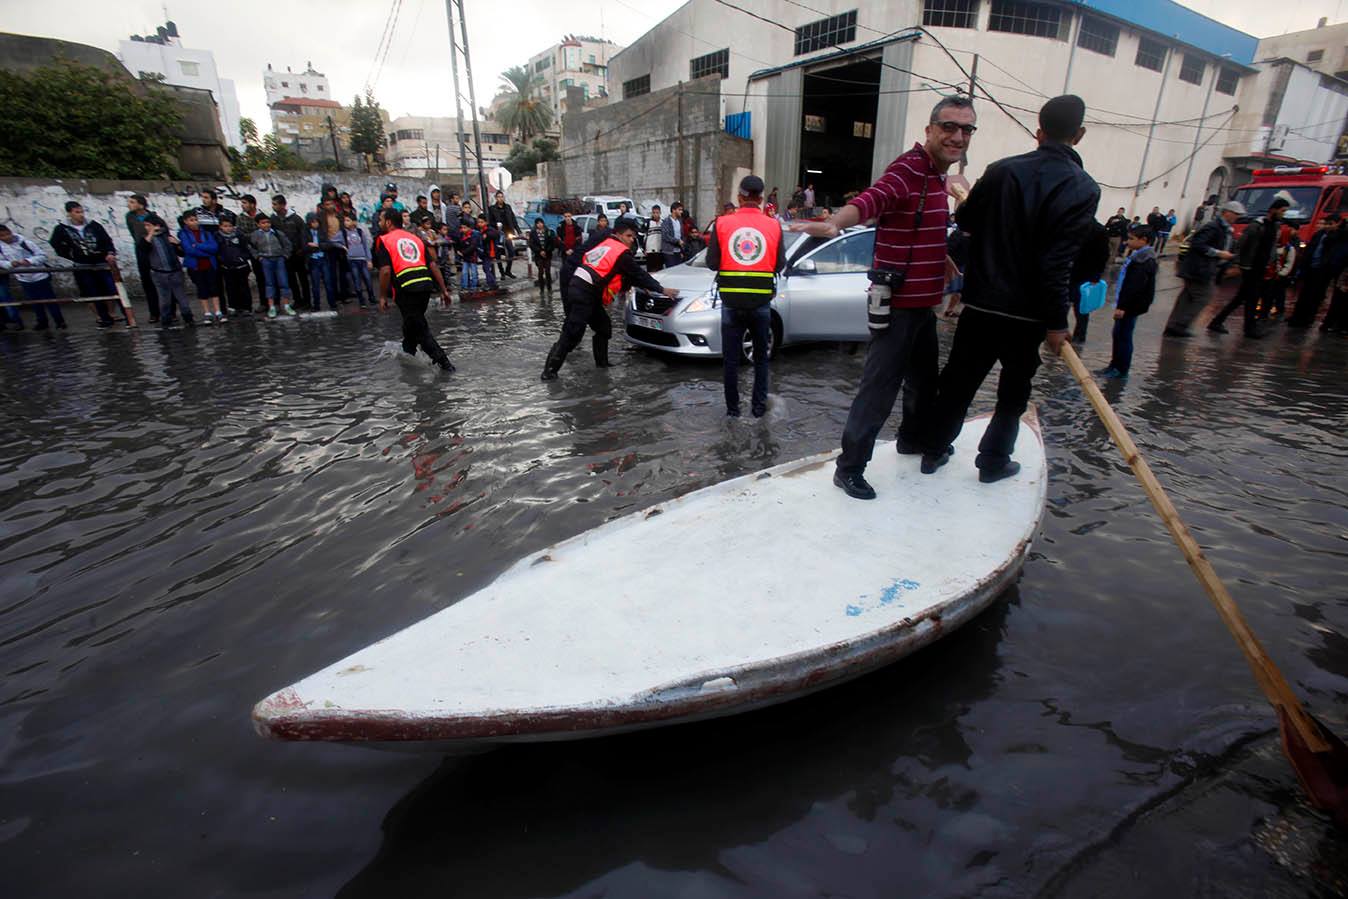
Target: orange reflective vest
<point>749,242</point>
<point>407,254</point>
<point>601,263</point>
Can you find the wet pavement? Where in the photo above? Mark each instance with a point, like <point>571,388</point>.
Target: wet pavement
<point>191,520</point>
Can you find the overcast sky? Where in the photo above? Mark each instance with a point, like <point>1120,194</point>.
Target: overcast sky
<point>341,36</point>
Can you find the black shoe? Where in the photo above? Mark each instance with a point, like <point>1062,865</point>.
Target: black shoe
<point>1217,328</point>
<point>1171,332</point>
<point>552,365</point>
<point>732,413</point>
<point>932,462</point>
<point>854,485</point>
<point>446,366</point>
<point>103,326</point>
<point>60,326</point>
<point>1253,335</point>
<point>760,411</point>
<point>41,326</point>
<point>907,449</point>
<point>992,475</point>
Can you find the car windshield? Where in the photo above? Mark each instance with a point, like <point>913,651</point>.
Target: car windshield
<point>1257,200</point>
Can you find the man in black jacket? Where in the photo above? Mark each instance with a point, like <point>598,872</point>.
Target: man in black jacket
<point>1117,227</point>
<point>85,242</point>
<point>1159,225</point>
<point>500,215</point>
<point>297,234</point>
<point>1198,269</point>
<point>1026,217</point>
<point>590,291</point>
<point>1088,267</point>
<point>1257,249</point>
<point>1316,266</point>
<point>137,211</point>
<point>570,261</point>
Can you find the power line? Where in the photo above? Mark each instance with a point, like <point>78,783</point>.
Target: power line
<point>379,48</point>
<point>1141,184</point>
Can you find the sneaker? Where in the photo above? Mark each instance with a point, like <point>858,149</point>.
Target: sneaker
<point>732,413</point>
<point>190,322</point>
<point>760,411</point>
<point>60,326</point>
<point>1217,328</point>
<point>854,485</point>
<point>290,310</point>
<point>103,326</point>
<point>40,326</point>
<point>271,313</point>
<point>1108,371</point>
<point>154,319</point>
<point>992,475</point>
<point>931,461</point>
<point>207,320</point>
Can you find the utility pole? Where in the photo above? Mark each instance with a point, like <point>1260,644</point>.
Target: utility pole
<point>458,97</point>
<point>973,85</point>
<point>336,154</point>
<point>1156,113</point>
<point>1198,132</point>
<point>472,98</point>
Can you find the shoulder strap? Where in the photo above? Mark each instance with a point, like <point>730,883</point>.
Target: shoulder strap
<point>917,219</point>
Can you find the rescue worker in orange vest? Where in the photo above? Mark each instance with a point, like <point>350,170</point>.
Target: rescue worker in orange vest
<point>602,274</point>
<point>403,259</point>
<point>747,252</point>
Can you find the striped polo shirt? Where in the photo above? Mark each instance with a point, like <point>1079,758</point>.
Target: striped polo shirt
<point>892,202</point>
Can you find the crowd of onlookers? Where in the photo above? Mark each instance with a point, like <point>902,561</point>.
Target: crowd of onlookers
<point>247,262</point>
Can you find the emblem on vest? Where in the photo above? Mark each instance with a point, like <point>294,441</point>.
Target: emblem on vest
<point>596,256</point>
<point>748,245</point>
<point>408,250</point>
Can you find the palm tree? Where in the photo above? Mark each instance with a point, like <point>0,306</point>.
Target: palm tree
<point>524,111</point>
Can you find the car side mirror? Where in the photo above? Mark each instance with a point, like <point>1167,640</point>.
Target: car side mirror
<point>805,267</point>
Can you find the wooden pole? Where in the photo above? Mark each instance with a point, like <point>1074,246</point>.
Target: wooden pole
<point>1270,679</point>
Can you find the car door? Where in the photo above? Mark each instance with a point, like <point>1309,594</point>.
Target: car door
<point>824,293</point>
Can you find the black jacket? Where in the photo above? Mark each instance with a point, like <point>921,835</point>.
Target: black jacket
<point>235,251</point>
<point>1258,244</point>
<point>1117,226</point>
<point>1139,283</point>
<point>1199,262</point>
<point>295,230</point>
<point>503,217</point>
<point>632,273</point>
<point>544,244</point>
<point>419,215</point>
<point>1093,256</point>
<point>1157,222</point>
<point>91,249</point>
<point>1027,218</point>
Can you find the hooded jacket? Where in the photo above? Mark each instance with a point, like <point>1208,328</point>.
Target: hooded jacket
<point>22,250</point>
<point>88,246</point>
<point>444,213</point>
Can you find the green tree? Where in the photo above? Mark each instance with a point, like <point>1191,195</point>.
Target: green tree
<point>523,160</point>
<point>367,130</point>
<point>69,120</point>
<point>248,131</point>
<point>524,111</point>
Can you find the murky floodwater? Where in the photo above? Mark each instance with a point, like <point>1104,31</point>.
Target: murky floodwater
<point>189,521</point>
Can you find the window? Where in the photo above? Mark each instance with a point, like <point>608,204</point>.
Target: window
<point>1191,69</point>
<point>636,87</point>
<point>320,88</point>
<point>1035,19</point>
<point>1150,54</point>
<point>1315,56</point>
<point>586,89</point>
<point>837,29</point>
<point>304,88</point>
<point>190,69</point>
<point>863,129</point>
<point>1227,80</point>
<point>1098,35</point>
<point>285,84</point>
<point>850,255</point>
<point>410,134</point>
<point>590,58</point>
<point>816,123</point>
<point>950,13</point>
<point>711,64</point>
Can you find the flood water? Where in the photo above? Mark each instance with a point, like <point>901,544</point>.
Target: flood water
<point>189,521</point>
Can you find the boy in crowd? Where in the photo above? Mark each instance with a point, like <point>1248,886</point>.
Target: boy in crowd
<point>357,245</point>
<point>86,242</point>
<point>247,224</point>
<point>272,250</point>
<point>444,250</point>
<point>235,259</point>
<point>543,243</point>
<point>166,271</point>
<point>467,246</point>
<point>1136,290</point>
<point>137,211</point>
<point>319,272</point>
<point>16,254</point>
<point>490,249</point>
<point>296,233</point>
<point>200,249</point>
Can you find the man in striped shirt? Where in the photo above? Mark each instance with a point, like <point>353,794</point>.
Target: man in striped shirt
<point>908,277</point>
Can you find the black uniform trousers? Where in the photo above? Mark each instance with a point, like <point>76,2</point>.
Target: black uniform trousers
<point>584,307</point>
<point>297,273</point>
<point>416,330</point>
<point>1251,289</point>
<point>1312,294</point>
<point>234,284</point>
<point>981,339</point>
<point>902,356</point>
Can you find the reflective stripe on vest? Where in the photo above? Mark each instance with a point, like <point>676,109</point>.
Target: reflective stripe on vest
<point>407,255</point>
<point>749,242</point>
<point>601,263</point>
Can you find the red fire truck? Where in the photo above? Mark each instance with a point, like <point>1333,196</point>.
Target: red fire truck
<point>1314,191</point>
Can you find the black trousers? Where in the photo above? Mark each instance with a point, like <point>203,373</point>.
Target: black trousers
<point>544,264</point>
<point>416,330</point>
<point>147,280</point>
<point>1247,296</point>
<point>297,273</point>
<point>900,357</point>
<point>1336,319</point>
<point>982,339</point>
<point>1312,295</point>
<point>261,280</point>
<point>584,309</point>
<point>238,296</point>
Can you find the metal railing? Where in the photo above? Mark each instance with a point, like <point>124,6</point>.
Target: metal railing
<point>111,267</point>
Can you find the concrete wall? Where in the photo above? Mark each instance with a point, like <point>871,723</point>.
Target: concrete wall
<point>634,149</point>
<point>1331,41</point>
<point>168,60</point>
<point>34,206</point>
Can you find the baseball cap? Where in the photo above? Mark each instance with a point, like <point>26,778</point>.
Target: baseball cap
<point>751,185</point>
<point>1234,206</point>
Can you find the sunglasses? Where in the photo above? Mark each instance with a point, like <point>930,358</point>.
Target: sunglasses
<point>952,127</point>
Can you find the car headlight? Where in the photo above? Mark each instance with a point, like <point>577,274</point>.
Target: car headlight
<point>704,303</point>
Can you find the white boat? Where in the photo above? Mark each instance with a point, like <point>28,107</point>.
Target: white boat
<point>740,595</point>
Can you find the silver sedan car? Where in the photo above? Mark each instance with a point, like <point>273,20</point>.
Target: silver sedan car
<point>821,296</point>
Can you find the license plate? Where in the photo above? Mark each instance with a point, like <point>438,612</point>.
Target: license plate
<point>647,321</point>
